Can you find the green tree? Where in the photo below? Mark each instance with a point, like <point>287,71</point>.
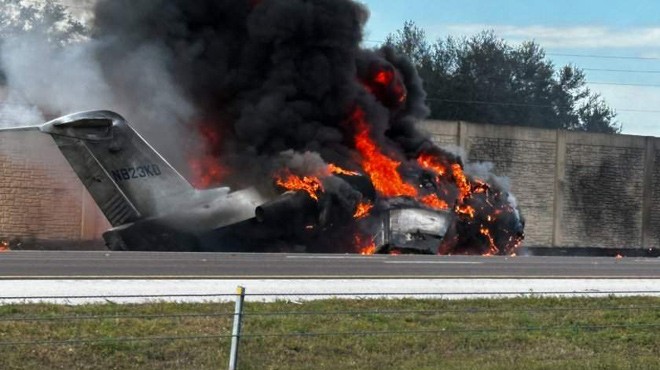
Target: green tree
<point>484,79</point>
<point>47,19</point>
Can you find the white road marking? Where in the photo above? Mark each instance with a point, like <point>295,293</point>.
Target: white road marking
<point>60,291</point>
<point>436,262</point>
<point>341,257</point>
<point>321,276</point>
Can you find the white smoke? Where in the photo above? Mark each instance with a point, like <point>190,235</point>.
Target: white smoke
<point>16,111</point>
<point>304,164</point>
<point>455,150</point>
<point>46,81</point>
<point>146,92</point>
<point>62,80</point>
<point>484,171</point>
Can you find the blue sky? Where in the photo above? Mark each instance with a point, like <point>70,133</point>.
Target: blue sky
<point>628,30</point>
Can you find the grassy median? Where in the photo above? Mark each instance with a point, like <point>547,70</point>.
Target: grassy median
<point>518,333</point>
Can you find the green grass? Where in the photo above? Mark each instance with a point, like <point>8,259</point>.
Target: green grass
<point>465,334</point>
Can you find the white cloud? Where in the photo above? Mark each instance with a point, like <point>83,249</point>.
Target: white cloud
<point>584,37</point>
<point>633,104</point>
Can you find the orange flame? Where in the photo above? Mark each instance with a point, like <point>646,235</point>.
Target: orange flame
<point>429,162</point>
<point>433,201</point>
<point>461,182</point>
<point>333,168</point>
<point>312,185</point>
<point>365,246</point>
<point>289,181</point>
<point>471,197</point>
<point>368,250</point>
<point>363,210</point>
<point>387,86</point>
<point>4,246</point>
<point>492,249</point>
<point>464,209</point>
<point>206,167</point>
<point>206,172</point>
<point>382,170</point>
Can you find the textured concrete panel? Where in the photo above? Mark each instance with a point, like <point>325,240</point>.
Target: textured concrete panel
<point>530,169</point>
<point>574,189</point>
<point>654,199</point>
<point>602,203</point>
<point>40,195</point>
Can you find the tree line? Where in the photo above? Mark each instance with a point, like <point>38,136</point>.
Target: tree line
<point>484,79</point>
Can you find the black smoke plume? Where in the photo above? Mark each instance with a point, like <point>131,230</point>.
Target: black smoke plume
<point>275,84</point>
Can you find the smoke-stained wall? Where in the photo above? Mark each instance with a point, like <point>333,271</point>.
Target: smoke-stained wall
<point>603,190</point>
<point>574,189</point>
<point>527,159</point>
<point>652,195</point>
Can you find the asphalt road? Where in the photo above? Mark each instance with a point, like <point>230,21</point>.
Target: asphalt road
<point>153,265</point>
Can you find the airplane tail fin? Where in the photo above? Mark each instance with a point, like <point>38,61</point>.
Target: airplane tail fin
<point>127,178</point>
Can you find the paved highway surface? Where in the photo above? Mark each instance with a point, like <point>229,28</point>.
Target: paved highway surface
<point>131,265</point>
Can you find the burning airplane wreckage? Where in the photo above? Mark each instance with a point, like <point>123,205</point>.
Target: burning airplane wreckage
<point>318,131</point>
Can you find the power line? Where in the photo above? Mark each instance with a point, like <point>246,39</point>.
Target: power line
<point>471,310</point>
<point>622,84</point>
<point>484,102</point>
<point>594,56</point>
<point>117,317</point>
<point>125,296</point>
<point>81,341</point>
<point>452,330</point>
<point>618,70</point>
<point>602,56</point>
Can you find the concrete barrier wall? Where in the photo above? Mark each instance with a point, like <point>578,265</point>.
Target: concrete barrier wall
<point>40,195</point>
<point>574,189</point>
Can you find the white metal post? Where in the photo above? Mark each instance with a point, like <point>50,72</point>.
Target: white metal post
<point>236,329</point>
